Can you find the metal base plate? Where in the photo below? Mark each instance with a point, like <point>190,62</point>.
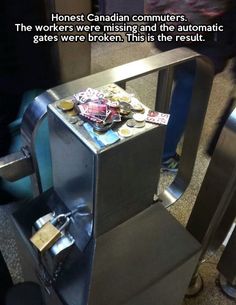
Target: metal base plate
<point>227,288</point>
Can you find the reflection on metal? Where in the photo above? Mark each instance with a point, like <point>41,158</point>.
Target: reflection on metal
<point>227,267</point>
<point>61,247</point>
<point>213,203</point>
<point>165,82</point>
<point>200,97</point>
<point>93,174</point>
<point>227,288</point>
<point>215,209</point>
<point>16,166</point>
<point>113,259</point>
<point>165,63</point>
<point>32,119</point>
<point>195,286</point>
<point>117,220</point>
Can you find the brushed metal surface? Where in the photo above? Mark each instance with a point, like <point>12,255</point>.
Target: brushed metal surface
<point>119,75</point>
<point>210,220</point>
<point>192,134</point>
<point>73,177</point>
<point>138,261</point>
<point>227,262</point>
<point>16,166</point>
<point>112,183</point>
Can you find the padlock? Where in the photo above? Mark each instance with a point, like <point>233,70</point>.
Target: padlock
<point>46,236</point>
<point>43,220</point>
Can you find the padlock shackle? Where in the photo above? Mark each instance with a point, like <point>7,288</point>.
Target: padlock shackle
<point>65,224</point>
<point>58,218</point>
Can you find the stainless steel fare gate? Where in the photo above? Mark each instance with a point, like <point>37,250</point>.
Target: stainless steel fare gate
<point>165,64</point>
<point>215,208</point>
<point>126,249</point>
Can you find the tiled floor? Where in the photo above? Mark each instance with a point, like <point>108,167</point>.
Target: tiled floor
<point>109,55</point>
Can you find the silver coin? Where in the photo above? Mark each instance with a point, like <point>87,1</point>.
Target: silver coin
<point>124,108</point>
<point>102,127</point>
<point>131,123</point>
<point>139,117</point>
<point>136,105</point>
<point>140,124</point>
<point>73,119</point>
<point>79,123</point>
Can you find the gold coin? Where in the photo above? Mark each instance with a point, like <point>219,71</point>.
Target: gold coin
<point>124,98</point>
<point>72,112</point>
<point>65,105</point>
<point>125,132</point>
<point>115,98</point>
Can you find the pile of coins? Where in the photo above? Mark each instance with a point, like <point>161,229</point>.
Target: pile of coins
<point>106,106</point>
<point>67,106</point>
<point>138,121</point>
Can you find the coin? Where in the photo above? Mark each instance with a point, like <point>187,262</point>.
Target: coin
<point>139,117</point>
<point>73,119</point>
<point>100,127</point>
<point>131,123</point>
<point>125,132</point>
<point>65,105</point>
<point>125,108</point>
<point>114,98</point>
<point>71,112</point>
<point>113,86</point>
<point>136,105</point>
<point>125,99</point>
<point>79,123</point>
<point>127,116</point>
<point>140,124</point>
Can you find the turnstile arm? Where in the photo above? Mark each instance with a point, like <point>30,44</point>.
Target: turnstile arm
<point>16,165</point>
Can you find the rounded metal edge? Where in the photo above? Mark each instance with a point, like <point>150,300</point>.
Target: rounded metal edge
<point>228,289</point>
<point>195,286</point>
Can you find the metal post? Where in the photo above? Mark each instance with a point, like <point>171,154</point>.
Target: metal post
<point>210,219</point>
<point>200,97</point>
<point>227,268</point>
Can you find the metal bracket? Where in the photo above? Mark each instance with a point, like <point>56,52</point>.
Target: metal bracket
<point>16,166</point>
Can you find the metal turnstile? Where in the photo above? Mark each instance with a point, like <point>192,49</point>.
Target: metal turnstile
<point>165,64</point>
<point>215,207</point>
<point>127,249</point>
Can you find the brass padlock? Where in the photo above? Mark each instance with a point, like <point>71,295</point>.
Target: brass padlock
<point>46,236</point>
